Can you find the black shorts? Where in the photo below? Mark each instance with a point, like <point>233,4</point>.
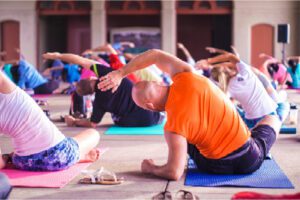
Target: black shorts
<point>246,159</point>
<point>47,88</point>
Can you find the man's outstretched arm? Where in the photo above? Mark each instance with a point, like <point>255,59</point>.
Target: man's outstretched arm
<point>70,58</point>
<point>177,157</point>
<point>163,60</point>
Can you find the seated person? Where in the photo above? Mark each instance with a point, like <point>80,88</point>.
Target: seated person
<point>26,76</point>
<point>120,104</point>
<point>201,120</point>
<point>249,86</point>
<point>37,142</point>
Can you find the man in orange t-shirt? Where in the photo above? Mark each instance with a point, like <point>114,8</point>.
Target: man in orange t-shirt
<point>201,120</point>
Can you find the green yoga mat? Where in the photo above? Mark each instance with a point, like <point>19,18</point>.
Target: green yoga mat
<point>149,130</point>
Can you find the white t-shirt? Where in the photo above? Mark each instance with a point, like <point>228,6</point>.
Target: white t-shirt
<point>24,121</point>
<point>246,88</point>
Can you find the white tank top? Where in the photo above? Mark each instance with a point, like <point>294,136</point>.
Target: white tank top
<point>24,121</point>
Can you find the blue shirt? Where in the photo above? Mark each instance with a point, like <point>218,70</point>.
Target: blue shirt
<point>56,73</point>
<point>73,74</point>
<point>7,71</point>
<point>29,77</point>
<point>295,76</point>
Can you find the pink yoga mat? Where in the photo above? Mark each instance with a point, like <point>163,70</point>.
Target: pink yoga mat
<point>56,179</point>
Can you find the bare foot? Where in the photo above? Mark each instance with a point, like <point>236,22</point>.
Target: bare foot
<point>70,121</point>
<point>92,156</point>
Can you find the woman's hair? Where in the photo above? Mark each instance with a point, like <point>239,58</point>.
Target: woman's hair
<point>221,76</point>
<point>272,68</point>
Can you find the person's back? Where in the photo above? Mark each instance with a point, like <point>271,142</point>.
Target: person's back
<point>246,88</point>
<point>206,116</point>
<point>38,144</point>
<point>29,77</point>
<point>120,103</point>
<point>24,121</point>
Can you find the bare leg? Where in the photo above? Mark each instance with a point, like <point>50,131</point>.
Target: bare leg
<point>87,141</point>
<point>272,121</point>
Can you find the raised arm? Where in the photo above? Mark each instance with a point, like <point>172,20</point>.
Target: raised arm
<point>106,48</point>
<point>70,58</point>
<point>177,156</point>
<point>163,60</point>
<point>187,54</point>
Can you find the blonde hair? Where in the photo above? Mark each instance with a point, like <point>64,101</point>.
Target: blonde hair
<point>221,76</point>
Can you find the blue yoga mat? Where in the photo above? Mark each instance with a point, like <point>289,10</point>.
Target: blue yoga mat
<point>268,176</point>
<point>149,130</point>
<point>288,130</point>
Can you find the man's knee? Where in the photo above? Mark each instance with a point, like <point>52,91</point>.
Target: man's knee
<point>5,187</point>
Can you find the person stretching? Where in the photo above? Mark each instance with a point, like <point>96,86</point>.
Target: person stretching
<point>201,120</point>
<point>249,86</point>
<point>120,104</point>
<point>38,144</point>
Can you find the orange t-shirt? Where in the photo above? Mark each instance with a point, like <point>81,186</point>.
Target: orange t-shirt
<point>199,111</point>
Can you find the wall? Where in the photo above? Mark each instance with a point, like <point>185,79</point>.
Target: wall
<point>248,13</point>
<point>23,12</point>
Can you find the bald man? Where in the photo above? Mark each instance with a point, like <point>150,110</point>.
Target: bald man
<point>201,120</point>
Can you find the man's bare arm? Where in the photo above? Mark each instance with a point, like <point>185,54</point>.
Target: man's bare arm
<point>106,48</point>
<point>163,60</point>
<point>177,157</point>
<point>70,58</point>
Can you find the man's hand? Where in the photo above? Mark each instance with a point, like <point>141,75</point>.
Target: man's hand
<point>70,121</point>
<point>215,50</point>
<point>203,64</point>
<point>47,72</point>
<point>180,46</point>
<point>51,55</point>
<point>111,80</point>
<point>147,166</point>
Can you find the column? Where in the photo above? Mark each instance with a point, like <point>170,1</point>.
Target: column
<point>98,23</point>
<point>168,26</point>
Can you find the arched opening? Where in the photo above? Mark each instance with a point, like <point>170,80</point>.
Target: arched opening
<point>10,39</point>
<point>262,41</point>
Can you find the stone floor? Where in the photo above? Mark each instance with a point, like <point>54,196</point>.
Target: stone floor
<point>125,155</point>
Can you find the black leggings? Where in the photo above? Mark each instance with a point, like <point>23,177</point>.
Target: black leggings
<point>47,88</point>
<point>244,160</point>
<point>138,118</point>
